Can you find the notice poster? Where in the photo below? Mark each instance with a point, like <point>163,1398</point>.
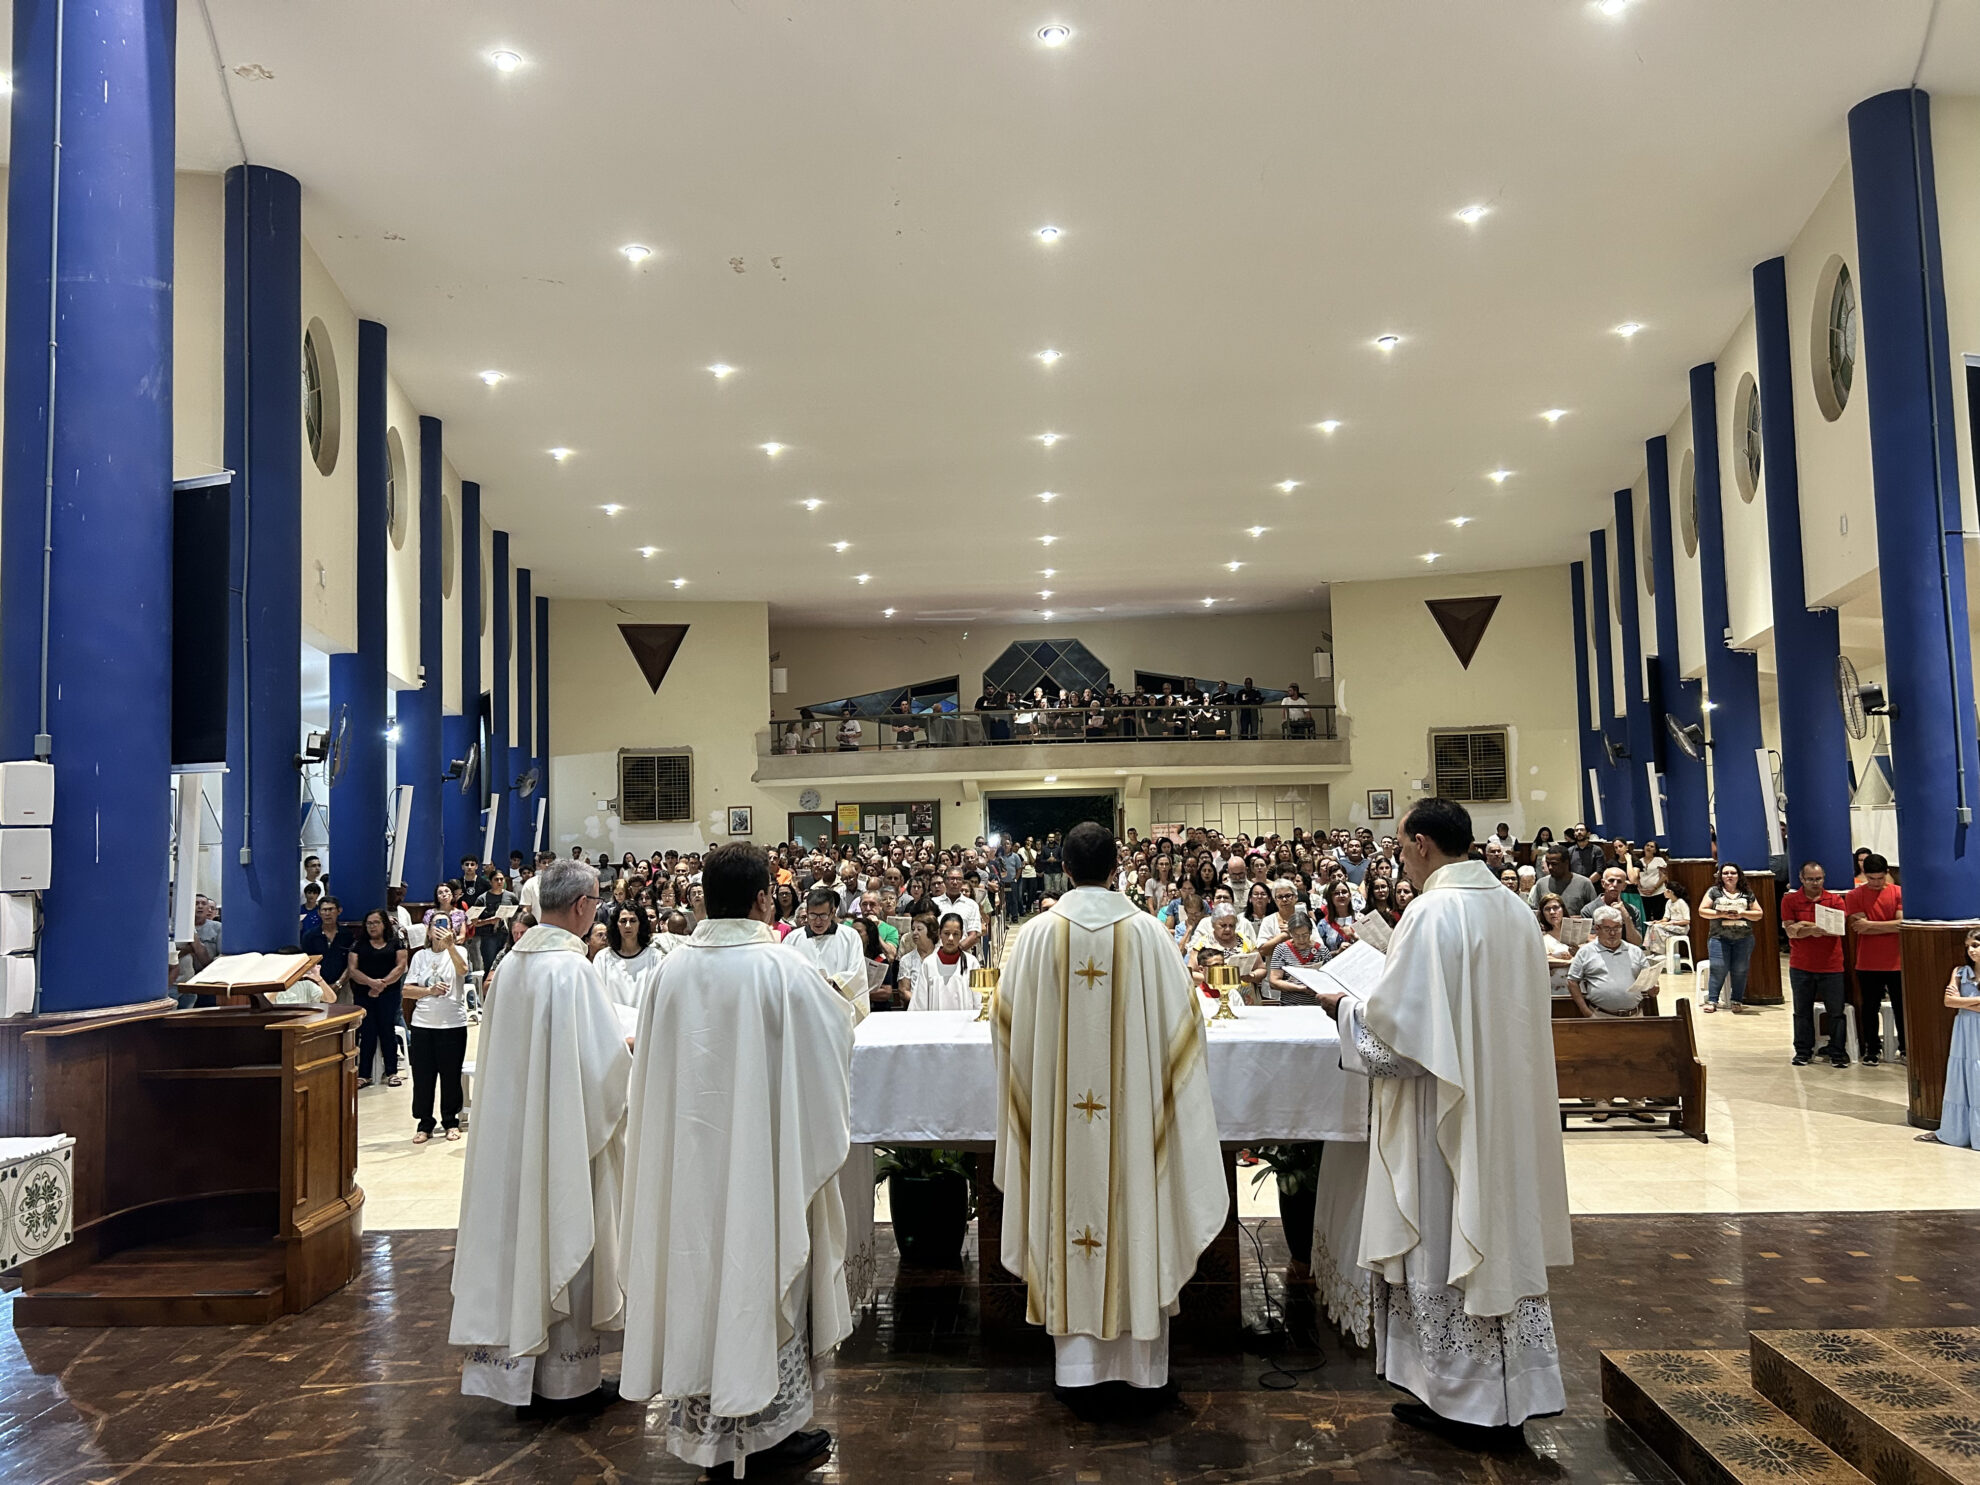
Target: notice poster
<point>848,819</point>
<point>921,820</point>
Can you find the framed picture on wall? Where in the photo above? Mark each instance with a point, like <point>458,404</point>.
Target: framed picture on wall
<point>741,819</point>
<point>1381,804</point>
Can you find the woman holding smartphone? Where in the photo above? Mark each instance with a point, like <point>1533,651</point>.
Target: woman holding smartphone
<point>437,982</point>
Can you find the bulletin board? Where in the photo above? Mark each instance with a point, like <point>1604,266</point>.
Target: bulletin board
<point>878,822</point>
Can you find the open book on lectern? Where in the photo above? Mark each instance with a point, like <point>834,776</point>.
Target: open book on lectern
<point>240,973</point>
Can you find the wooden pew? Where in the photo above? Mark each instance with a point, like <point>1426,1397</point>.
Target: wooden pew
<point>1641,1057</point>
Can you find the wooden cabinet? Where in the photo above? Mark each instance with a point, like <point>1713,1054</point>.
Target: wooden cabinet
<point>215,1164</point>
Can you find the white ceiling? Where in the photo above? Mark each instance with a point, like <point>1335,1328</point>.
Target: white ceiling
<point>843,197</point>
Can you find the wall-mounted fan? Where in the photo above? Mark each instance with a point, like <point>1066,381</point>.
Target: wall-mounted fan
<point>526,785</point>
<point>1617,751</point>
<point>1687,735</point>
<point>339,752</point>
<point>1859,702</point>
<point>464,768</point>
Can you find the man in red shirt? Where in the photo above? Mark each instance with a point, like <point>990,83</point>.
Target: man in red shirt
<point>1815,966</point>
<point>1876,912</point>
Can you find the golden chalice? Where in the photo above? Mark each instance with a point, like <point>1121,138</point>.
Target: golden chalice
<point>984,982</point>
<point>1224,979</point>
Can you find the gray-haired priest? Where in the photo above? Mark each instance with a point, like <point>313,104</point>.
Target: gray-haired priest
<point>1107,1149</point>
<point>734,1230</point>
<point>536,1269</point>
<point>1466,1199</point>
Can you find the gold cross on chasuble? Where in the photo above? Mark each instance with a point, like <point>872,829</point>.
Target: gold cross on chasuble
<point>1087,1243</point>
<point>1091,972</point>
<point>1090,1106</point>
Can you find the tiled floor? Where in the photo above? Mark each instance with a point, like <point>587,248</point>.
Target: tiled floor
<point>1783,1139</point>
<point>365,1389</point>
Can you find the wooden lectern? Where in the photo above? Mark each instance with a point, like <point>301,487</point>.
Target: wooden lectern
<point>214,1163</point>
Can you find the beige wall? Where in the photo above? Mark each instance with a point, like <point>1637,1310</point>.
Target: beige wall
<point>450,588</point>
<point>1749,584</point>
<point>1956,165</point>
<point>329,502</point>
<point>715,700</point>
<point>199,313</point>
<point>1689,580</point>
<point>826,664</point>
<point>1399,679</point>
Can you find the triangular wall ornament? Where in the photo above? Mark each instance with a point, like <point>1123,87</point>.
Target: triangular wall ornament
<point>1464,621</point>
<point>654,647</point>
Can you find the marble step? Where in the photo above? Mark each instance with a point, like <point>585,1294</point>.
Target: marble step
<point>1698,1411</point>
<point>1902,1406</point>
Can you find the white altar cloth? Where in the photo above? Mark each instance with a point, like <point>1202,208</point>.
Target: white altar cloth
<point>1275,1074</point>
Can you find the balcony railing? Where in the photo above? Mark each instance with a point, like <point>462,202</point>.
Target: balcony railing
<point>1271,721</point>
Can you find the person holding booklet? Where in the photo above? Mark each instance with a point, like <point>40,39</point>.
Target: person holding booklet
<point>1813,920</point>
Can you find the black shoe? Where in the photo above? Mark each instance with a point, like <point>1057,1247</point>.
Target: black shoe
<point>1873,1060</point>
<point>805,1447</point>
<point>1840,1059</point>
<point>1502,1440</point>
<point>1801,1059</point>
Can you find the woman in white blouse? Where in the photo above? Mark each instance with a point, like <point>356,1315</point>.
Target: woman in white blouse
<point>436,982</point>
<point>630,959</point>
<point>1559,955</point>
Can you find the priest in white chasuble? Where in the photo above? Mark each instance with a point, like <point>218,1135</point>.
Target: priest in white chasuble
<point>536,1264</point>
<point>734,1231</point>
<point>1107,1150</point>
<point>1465,1207</point>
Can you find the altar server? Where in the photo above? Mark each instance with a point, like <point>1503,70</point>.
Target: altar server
<point>1465,1205</point>
<point>536,1268</point>
<point>941,978</point>
<point>835,947</point>
<point>1107,1149</point>
<point>630,959</point>
<point>734,1232</point>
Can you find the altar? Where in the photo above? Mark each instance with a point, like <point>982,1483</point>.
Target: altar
<point>929,1078</point>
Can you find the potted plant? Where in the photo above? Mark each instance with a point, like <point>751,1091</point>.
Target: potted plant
<point>932,1195</point>
<point>1297,1168</point>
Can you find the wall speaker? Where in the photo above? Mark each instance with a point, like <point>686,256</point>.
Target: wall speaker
<point>200,516</point>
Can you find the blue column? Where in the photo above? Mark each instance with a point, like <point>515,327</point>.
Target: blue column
<point>1732,677</point>
<point>1589,746</point>
<point>1687,815</point>
<point>1814,751</point>
<point>543,705</point>
<point>261,809</point>
<point>419,711</point>
<point>522,822</point>
<point>1618,820</point>
<point>1901,287</point>
<point>500,799</point>
<point>105,711</point>
<point>1642,740</point>
<point>357,681</point>
<point>462,809</point>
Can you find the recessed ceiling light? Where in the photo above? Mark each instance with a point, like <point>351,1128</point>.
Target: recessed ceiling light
<point>1286,487</point>
<point>840,546</point>
<point>1048,234</point>
<point>649,552</point>
<point>1328,425</point>
<point>1048,439</point>
<point>1499,476</point>
<point>1628,328</point>
<point>1232,566</point>
<point>773,449</point>
<point>863,578</point>
<point>1048,496</point>
<point>721,369</point>
<point>1471,216</point>
<point>1208,601</point>
<point>1045,613</point>
<point>811,504</point>
<point>1049,356</point>
<point>1055,35</point>
<point>611,510</point>
<point>636,252</point>
<point>680,582</point>
<point>1048,572</point>
<point>1387,342</point>
<point>492,377</point>
<point>1051,778</point>
<point>1044,592</point>
<point>1431,556</point>
<point>886,613</point>
<point>560,455</point>
<point>1460,521</point>
<point>1554,414</point>
<point>1047,540</point>
<point>505,61</point>
<point>1613,8</point>
<point>1710,706</point>
<point>1258,531</point>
